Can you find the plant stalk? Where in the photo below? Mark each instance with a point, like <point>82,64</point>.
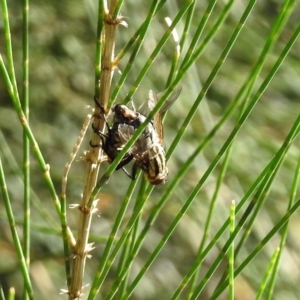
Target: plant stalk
<point>106,39</point>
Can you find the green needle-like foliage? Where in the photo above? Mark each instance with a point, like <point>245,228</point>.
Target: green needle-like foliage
<point>73,224</point>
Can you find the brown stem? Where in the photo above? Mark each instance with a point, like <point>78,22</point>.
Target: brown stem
<point>82,248</point>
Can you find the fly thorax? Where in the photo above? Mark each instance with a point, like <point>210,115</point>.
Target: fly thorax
<point>123,114</point>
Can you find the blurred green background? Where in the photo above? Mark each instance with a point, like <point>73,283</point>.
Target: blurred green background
<point>62,56</point>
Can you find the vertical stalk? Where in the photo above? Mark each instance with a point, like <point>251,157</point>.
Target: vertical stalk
<point>14,233</point>
<point>26,143</point>
<point>107,26</point>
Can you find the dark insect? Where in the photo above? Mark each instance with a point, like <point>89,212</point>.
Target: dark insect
<point>148,151</point>
<point>110,142</point>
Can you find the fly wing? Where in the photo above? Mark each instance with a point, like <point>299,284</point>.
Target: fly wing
<point>143,143</point>
<point>125,133</point>
<point>157,120</point>
<point>148,106</point>
<point>172,98</point>
<point>144,108</point>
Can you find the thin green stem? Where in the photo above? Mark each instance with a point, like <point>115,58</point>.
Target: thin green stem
<point>268,274</point>
<point>14,167</point>
<point>231,253</point>
<point>176,55</point>
<point>105,262</point>
<point>123,258</point>
<point>265,178</point>
<point>260,246</point>
<point>99,43</point>
<point>133,238</point>
<point>121,279</point>
<point>121,241</point>
<point>187,24</point>
<point>9,52</point>
<point>157,50</point>
<point>36,150</point>
<point>261,195</point>
<point>211,77</point>
<point>139,41</point>
<point>26,144</point>
<point>136,35</point>
<point>266,49</point>
<point>11,294</point>
<point>294,188</point>
<point>118,8</point>
<point>209,219</point>
<point>14,232</point>
<point>199,31</point>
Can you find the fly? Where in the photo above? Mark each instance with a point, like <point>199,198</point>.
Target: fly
<point>110,142</point>
<point>148,151</point>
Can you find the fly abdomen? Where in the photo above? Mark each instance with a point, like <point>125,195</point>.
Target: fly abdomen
<point>157,171</point>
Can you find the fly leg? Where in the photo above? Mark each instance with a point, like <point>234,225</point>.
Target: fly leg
<point>125,171</point>
<point>102,111</point>
<point>134,171</point>
<point>123,162</point>
<point>103,144</point>
<point>103,136</point>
